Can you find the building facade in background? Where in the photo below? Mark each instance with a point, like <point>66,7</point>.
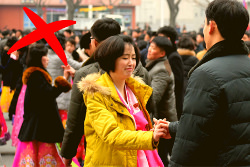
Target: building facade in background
<point>13,16</point>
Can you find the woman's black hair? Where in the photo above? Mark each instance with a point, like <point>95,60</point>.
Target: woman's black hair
<point>36,52</point>
<point>112,48</point>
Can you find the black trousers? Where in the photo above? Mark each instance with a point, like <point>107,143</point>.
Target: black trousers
<point>165,150</point>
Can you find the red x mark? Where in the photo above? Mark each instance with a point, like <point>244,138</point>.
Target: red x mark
<point>45,31</point>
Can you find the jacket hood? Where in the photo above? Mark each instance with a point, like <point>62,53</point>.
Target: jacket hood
<point>90,85</point>
<point>97,83</point>
<point>185,52</point>
<point>30,70</point>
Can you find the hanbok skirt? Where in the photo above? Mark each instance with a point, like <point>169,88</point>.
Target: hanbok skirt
<point>4,134</point>
<point>6,98</point>
<point>37,154</point>
<point>18,118</point>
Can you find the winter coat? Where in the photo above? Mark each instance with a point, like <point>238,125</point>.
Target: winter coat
<point>55,70</point>
<point>163,88</point>
<point>109,127</point>
<point>41,118</point>
<point>214,129</point>
<point>77,110</point>
<point>176,64</point>
<point>189,61</point>
<point>12,70</point>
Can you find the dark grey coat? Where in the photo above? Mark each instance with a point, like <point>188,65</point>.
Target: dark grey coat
<point>163,88</point>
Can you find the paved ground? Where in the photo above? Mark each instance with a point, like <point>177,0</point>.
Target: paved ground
<point>7,151</point>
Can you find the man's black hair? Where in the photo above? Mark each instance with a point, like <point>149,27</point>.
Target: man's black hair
<point>85,41</point>
<point>68,31</point>
<point>104,28</point>
<point>170,32</point>
<point>163,43</point>
<point>230,16</point>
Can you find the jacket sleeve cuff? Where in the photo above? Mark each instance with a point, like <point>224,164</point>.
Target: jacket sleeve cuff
<point>154,144</point>
<point>173,127</point>
<point>62,84</point>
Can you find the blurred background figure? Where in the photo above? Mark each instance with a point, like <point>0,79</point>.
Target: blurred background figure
<point>186,47</point>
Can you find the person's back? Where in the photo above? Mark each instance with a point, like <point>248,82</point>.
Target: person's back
<point>186,50</point>
<point>214,127</point>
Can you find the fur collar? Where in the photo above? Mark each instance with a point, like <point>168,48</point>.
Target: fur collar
<point>90,86</point>
<point>30,70</point>
<point>183,52</point>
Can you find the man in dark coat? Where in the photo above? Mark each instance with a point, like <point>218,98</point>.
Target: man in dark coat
<point>214,129</point>
<point>177,66</point>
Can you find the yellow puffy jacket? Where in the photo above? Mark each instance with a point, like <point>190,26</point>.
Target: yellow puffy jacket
<point>112,139</point>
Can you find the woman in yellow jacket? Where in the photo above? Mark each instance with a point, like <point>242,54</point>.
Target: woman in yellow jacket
<point>117,124</point>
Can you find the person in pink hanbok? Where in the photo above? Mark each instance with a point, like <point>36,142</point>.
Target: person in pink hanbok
<point>117,124</point>
<point>42,127</point>
<point>18,119</point>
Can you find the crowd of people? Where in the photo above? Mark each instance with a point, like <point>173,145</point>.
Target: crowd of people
<point>134,98</point>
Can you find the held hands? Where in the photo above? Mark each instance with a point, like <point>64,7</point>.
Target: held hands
<point>161,129</point>
<point>68,71</point>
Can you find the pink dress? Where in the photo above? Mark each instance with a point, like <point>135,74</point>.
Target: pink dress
<point>18,119</point>
<point>145,158</point>
<point>4,134</point>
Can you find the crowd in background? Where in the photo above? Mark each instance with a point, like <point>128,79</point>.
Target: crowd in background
<point>164,59</point>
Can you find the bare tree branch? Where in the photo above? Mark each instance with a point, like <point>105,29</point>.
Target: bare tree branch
<point>174,10</point>
<point>39,6</point>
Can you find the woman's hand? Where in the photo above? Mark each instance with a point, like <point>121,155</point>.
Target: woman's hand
<point>160,121</point>
<point>160,131</point>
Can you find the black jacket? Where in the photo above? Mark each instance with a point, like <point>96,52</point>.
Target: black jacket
<point>214,129</point>
<point>41,118</point>
<point>11,71</point>
<point>176,64</point>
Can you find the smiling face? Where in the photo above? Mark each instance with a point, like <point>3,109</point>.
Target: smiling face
<point>154,52</point>
<point>125,64</point>
<point>45,61</point>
